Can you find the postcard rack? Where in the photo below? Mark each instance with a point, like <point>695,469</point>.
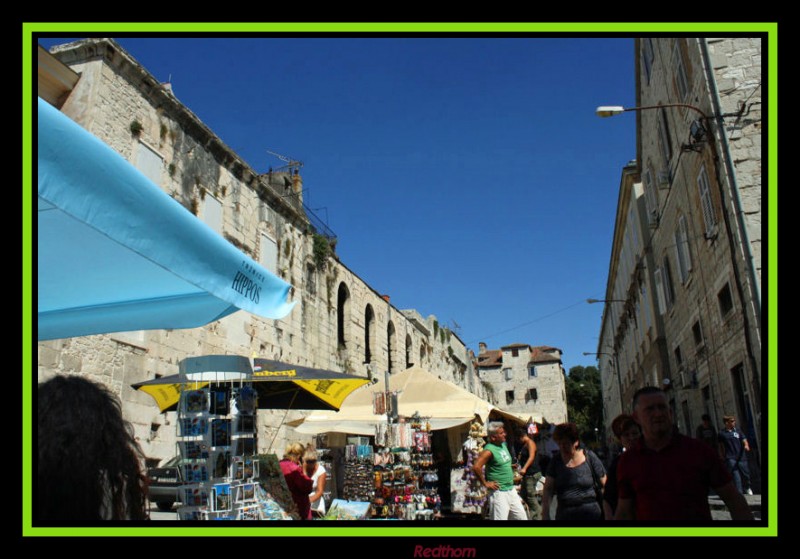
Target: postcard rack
<point>217,442</point>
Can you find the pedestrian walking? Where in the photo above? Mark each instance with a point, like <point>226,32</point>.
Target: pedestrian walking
<point>529,468</point>
<point>666,475</point>
<point>576,476</point>
<point>734,448</point>
<point>627,432</point>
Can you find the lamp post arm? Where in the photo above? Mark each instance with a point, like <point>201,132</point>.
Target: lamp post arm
<point>684,105</point>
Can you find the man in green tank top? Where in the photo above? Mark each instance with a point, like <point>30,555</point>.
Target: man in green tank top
<point>498,477</point>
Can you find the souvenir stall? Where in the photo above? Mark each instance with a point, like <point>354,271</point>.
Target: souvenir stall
<point>468,496</point>
<point>216,398</point>
<point>403,466</point>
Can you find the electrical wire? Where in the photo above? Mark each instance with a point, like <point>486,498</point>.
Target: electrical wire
<point>581,302</point>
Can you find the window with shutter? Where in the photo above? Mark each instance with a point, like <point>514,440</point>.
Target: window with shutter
<point>682,253</point>
<point>706,203</point>
<point>669,292</point>
<point>212,213</point>
<point>662,303</point>
<point>650,197</point>
<point>663,138</point>
<point>149,163</point>
<point>269,254</point>
<point>681,79</point>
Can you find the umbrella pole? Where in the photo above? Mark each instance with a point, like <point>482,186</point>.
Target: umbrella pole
<point>275,436</point>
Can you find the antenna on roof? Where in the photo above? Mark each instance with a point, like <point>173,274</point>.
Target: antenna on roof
<point>291,164</point>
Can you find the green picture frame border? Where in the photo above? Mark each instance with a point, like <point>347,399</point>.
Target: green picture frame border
<point>30,30</point>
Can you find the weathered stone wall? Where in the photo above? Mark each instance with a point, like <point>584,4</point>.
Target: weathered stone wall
<point>737,68</point>
<point>114,92</point>
<point>696,299</point>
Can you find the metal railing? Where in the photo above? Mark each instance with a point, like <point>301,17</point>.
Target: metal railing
<point>318,225</point>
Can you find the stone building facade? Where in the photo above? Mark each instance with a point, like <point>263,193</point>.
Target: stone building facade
<point>698,110</point>
<point>528,381</point>
<point>630,303</point>
<point>339,322</point>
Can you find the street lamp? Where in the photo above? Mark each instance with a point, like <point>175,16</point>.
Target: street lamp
<point>614,110</point>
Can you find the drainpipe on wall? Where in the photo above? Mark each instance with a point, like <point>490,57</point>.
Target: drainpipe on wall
<point>737,201</point>
<point>755,287</point>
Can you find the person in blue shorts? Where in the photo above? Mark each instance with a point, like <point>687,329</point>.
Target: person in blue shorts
<point>733,449</point>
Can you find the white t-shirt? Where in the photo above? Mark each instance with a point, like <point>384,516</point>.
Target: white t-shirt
<point>318,505</point>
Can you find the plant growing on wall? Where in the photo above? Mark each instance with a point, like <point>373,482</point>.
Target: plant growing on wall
<point>322,250</point>
<point>330,280</point>
<point>171,169</point>
<point>136,128</point>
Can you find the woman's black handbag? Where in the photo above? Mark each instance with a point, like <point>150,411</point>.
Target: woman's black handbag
<point>598,488</point>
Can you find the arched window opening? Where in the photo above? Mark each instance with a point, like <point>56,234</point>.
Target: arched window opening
<point>369,325</point>
<point>341,313</point>
<point>390,346</point>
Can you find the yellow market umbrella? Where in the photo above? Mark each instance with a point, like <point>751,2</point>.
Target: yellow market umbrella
<point>278,385</point>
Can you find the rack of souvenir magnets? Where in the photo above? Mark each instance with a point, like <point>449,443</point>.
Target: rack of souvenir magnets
<point>358,479</point>
<point>467,495</point>
<point>406,481</point>
<point>217,440</point>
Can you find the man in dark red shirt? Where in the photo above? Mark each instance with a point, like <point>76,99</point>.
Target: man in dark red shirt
<point>666,476</point>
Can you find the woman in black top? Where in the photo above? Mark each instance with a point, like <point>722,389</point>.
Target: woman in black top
<point>570,476</point>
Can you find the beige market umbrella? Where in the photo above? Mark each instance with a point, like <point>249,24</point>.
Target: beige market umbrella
<point>419,392</point>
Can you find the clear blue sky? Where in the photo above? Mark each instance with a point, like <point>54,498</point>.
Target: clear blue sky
<point>467,178</point>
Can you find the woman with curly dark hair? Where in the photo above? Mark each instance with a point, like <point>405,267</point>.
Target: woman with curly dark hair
<point>89,461</point>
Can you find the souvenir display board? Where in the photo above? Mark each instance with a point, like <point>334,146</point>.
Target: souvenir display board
<point>358,477</point>
<point>467,495</point>
<point>217,443</point>
<point>405,478</point>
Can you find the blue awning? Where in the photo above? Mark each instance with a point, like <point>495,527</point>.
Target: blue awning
<point>116,253</point>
